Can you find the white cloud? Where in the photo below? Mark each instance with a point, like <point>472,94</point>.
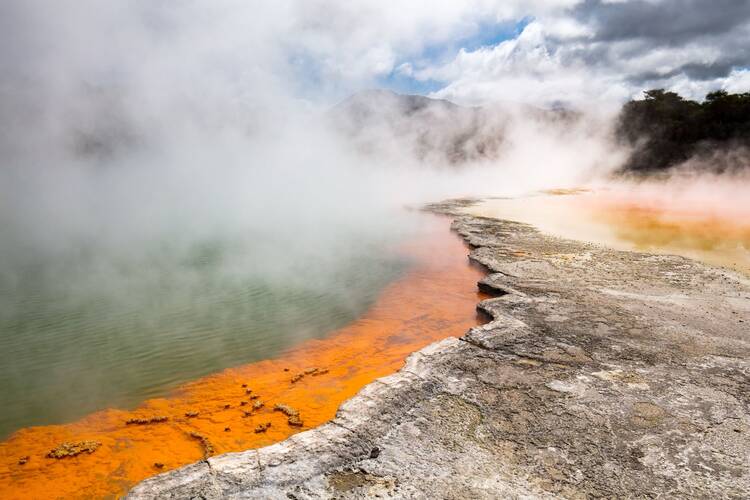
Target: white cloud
<point>326,49</point>
<point>561,58</point>
<point>525,70</point>
<point>737,81</point>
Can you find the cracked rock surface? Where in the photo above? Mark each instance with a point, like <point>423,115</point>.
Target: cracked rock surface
<point>601,374</point>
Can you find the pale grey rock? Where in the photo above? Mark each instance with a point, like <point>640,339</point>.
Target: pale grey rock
<point>601,374</point>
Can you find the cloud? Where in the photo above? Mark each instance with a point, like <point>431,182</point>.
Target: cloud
<point>528,69</point>
<point>604,51</point>
<point>323,50</point>
<point>661,21</point>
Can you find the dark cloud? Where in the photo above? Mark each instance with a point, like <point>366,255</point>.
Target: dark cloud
<point>667,22</point>
<point>694,71</point>
<point>708,39</point>
<point>697,71</point>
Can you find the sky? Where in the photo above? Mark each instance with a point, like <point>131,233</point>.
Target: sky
<point>576,51</point>
<point>320,51</point>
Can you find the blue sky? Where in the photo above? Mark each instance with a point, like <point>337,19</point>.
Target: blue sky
<point>310,80</point>
<point>486,35</point>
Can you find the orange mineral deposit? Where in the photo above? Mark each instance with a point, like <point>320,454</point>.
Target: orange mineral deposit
<point>106,453</point>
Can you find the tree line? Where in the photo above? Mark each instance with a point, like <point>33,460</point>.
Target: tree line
<point>664,129</point>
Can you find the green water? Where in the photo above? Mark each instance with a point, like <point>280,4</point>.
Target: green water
<point>92,329</point>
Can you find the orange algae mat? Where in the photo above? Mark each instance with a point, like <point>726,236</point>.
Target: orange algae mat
<point>716,235</point>
<point>435,299</point>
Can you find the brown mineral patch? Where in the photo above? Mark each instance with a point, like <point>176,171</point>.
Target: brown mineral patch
<point>286,410</point>
<point>569,354</point>
<point>71,449</point>
<point>295,421</point>
<point>309,371</point>
<point>349,480</point>
<point>208,448</point>
<point>528,362</point>
<point>628,377</point>
<point>646,414</point>
<point>146,421</point>
<point>262,427</point>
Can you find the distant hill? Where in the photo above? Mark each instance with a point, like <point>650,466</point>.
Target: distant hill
<point>432,130</point>
<point>435,131</point>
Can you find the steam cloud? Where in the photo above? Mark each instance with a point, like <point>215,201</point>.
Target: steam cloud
<point>123,123</point>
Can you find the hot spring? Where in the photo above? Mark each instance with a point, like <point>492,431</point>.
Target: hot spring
<point>91,329</point>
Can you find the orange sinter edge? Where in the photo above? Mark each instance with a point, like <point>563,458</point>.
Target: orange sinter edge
<point>222,413</point>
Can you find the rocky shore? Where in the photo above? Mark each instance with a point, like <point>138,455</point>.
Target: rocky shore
<point>599,374</point>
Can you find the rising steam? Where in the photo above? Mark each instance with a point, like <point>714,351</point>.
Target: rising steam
<point>144,145</point>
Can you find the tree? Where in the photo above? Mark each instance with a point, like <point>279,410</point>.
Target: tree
<point>665,129</point>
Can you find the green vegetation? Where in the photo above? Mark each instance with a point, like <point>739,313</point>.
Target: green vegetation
<point>665,129</point>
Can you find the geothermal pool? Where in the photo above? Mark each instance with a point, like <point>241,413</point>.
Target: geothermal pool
<point>643,221</point>
<point>420,290</point>
<point>73,343</point>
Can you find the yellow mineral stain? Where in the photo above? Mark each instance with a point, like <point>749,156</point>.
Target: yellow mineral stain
<point>631,220</point>
<point>235,410</point>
